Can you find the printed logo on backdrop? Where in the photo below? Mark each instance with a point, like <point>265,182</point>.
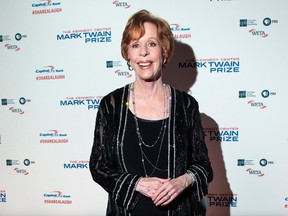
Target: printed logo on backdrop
<point>255,31</point>
<point>266,93</point>
<point>46,7</point>
<point>5,101</point>
<point>16,110</point>
<point>286,202</point>
<point>213,65</point>
<point>10,162</point>
<point>19,36</point>
<point>22,101</point>
<point>253,22</point>
<point>57,197</point>
<point>121,4</point>
<point>26,162</point>
<point>53,137</point>
<point>118,72</point>
<point>247,94</point>
<point>223,134</point>
<point>113,64</point>
<point>263,162</point>
<point>74,164</point>
<point>257,104</point>
<point>244,162</point>
<point>254,102</point>
<point>267,21</point>
<point>12,46</point>
<point>180,32</point>
<point>222,200</point>
<point>121,73</point>
<point>4,38</point>
<point>90,102</point>
<point>50,73</point>
<point>3,196</point>
<point>247,22</point>
<point>255,172</point>
<point>21,171</point>
<point>93,35</point>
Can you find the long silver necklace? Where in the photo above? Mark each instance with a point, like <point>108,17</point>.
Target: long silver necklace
<point>141,141</point>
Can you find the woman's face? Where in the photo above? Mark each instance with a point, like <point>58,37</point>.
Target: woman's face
<point>145,54</point>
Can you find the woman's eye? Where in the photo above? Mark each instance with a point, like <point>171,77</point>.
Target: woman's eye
<point>135,45</point>
<point>152,44</point>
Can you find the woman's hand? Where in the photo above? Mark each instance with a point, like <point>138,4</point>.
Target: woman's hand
<point>149,185</point>
<point>171,189</point>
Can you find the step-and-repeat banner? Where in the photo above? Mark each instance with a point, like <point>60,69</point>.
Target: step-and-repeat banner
<point>58,58</point>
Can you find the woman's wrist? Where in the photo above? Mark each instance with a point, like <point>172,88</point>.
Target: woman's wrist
<point>137,185</point>
<point>191,178</point>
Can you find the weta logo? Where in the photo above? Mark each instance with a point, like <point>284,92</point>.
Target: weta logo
<point>254,32</point>
<point>254,172</point>
<point>121,4</point>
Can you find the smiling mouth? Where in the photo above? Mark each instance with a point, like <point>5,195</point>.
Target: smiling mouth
<point>144,64</point>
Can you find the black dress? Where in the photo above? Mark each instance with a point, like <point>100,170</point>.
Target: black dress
<point>187,151</point>
<point>149,130</point>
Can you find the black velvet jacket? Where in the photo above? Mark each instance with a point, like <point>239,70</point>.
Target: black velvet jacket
<point>187,151</point>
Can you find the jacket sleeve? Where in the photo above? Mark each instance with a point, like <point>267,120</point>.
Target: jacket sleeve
<point>200,164</point>
<point>103,159</point>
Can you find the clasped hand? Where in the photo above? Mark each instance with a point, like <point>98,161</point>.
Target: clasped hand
<point>162,191</point>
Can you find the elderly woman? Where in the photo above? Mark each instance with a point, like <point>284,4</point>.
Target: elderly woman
<point>149,152</point>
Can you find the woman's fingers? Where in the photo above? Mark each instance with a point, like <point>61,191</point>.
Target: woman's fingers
<point>149,185</point>
<point>168,191</point>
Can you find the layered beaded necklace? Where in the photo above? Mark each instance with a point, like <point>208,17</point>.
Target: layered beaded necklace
<point>159,137</point>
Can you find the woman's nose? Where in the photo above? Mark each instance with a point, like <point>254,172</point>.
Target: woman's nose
<point>144,51</point>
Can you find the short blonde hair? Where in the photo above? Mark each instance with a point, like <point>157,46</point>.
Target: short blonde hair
<point>135,29</point>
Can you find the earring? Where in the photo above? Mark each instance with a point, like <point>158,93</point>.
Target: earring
<point>164,63</point>
<point>130,68</point>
